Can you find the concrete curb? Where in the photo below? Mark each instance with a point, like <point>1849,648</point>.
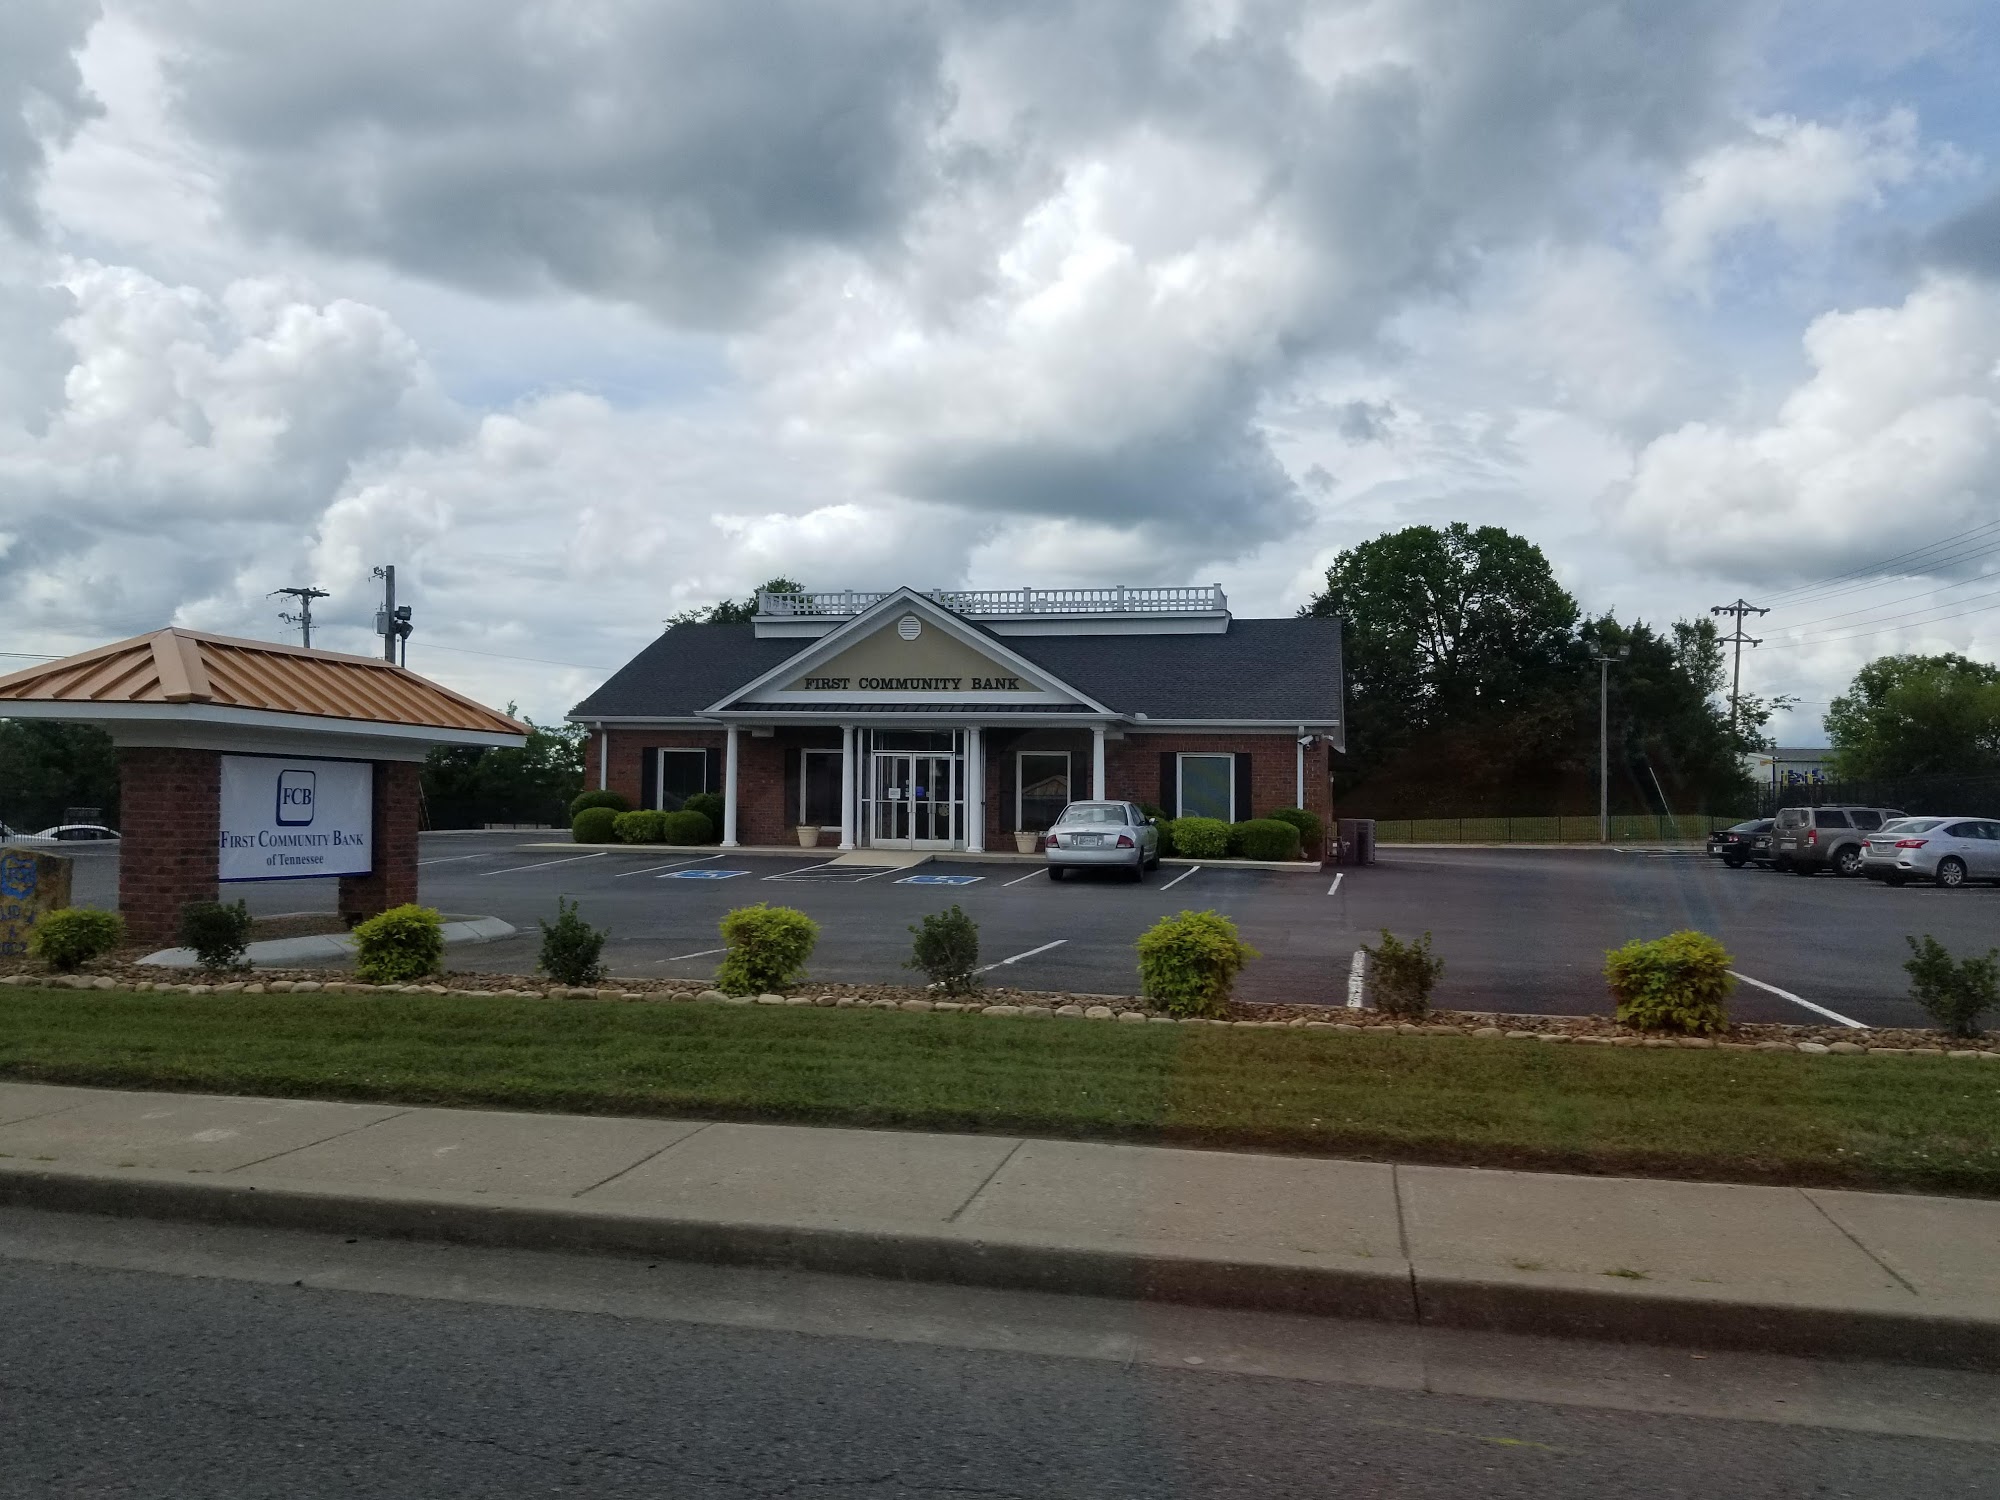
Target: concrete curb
<point>277,952</point>
<point>1396,1291</point>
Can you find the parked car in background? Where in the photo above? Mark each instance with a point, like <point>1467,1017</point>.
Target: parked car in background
<point>1103,835</point>
<point>73,833</point>
<point>1739,845</point>
<point>1950,851</point>
<point>1806,840</point>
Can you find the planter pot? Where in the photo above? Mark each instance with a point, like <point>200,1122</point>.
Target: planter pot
<point>808,837</point>
<point>1024,843</point>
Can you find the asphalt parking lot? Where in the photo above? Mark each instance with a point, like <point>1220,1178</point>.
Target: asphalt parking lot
<point>1519,930</point>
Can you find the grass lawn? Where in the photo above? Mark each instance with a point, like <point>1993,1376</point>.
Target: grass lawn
<point>1921,1123</point>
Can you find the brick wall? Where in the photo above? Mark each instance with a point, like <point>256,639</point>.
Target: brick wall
<point>171,811</point>
<point>393,882</point>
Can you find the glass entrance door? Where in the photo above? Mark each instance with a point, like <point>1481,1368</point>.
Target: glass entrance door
<point>915,801</point>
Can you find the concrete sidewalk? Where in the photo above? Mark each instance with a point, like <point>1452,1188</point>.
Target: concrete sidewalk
<point>272,953</point>
<point>1905,1278</point>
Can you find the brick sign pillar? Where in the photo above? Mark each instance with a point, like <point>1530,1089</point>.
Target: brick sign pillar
<point>394,879</point>
<point>170,809</point>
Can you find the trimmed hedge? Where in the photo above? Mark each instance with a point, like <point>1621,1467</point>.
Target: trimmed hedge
<point>219,934</point>
<point>686,827</point>
<point>768,948</point>
<point>1265,838</point>
<point>1680,982</point>
<point>642,827</point>
<point>613,800</point>
<point>709,805</point>
<point>1188,963</point>
<point>71,936</point>
<point>1312,831</point>
<point>595,825</point>
<point>1201,838</point>
<point>404,943</point>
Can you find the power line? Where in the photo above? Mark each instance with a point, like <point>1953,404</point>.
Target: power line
<point>304,618</point>
<point>1862,609</point>
<point>1894,625</point>
<point>1798,593</point>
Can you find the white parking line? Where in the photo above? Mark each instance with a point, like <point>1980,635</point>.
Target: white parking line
<point>449,858</point>
<point>1334,889</point>
<point>1194,870</point>
<point>672,865</point>
<point>705,953</point>
<point>1357,980</point>
<point>988,968</point>
<point>545,864</point>
<point>824,864</point>
<point>1831,1015</point>
<point>1023,878</point>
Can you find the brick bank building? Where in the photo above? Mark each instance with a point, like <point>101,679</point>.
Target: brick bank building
<point>957,719</point>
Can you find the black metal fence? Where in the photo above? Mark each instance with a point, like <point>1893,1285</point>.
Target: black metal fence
<point>1945,796</point>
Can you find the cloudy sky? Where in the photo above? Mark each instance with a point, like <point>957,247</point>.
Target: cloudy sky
<point>585,311</point>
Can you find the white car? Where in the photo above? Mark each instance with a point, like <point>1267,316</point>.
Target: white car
<point>1950,851</point>
<point>1100,835</point>
<point>72,833</point>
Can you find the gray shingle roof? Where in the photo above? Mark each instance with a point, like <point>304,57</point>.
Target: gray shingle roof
<point>1270,670</point>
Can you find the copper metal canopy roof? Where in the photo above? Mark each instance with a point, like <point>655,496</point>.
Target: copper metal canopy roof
<point>186,666</point>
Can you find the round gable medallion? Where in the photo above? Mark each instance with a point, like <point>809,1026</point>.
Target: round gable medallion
<point>909,627</point>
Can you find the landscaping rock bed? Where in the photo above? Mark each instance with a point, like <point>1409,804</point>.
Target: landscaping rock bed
<point>1491,1026</point>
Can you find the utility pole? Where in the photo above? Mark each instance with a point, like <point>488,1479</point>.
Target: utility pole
<point>304,618</point>
<point>392,622</point>
<point>1738,639</point>
<point>1604,740</point>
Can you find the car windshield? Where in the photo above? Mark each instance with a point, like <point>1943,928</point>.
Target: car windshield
<point>1093,813</point>
<point>1911,825</point>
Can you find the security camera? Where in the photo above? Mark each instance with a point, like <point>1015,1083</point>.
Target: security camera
<point>1307,741</point>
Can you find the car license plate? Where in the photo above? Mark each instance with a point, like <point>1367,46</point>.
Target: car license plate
<point>1089,840</point>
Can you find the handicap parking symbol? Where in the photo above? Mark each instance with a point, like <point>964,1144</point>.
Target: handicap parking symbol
<point>940,880</point>
<point>705,874</point>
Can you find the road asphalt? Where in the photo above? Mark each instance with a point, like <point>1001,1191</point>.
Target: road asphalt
<point>1519,930</point>
<point>1701,1264</point>
<point>166,1360</point>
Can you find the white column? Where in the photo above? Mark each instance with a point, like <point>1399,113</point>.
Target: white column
<point>603,759</point>
<point>1097,762</point>
<point>975,792</point>
<point>1301,800</point>
<point>847,786</point>
<point>729,789</point>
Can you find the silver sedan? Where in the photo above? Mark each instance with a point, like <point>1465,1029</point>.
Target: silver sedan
<point>1950,851</point>
<point>1103,835</point>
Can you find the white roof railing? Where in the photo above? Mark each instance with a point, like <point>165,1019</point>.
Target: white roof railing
<point>1121,600</point>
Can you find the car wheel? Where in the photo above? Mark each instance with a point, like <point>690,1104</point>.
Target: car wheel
<point>1138,871</point>
<point>1951,872</point>
<point>1055,872</point>
<point>1848,861</point>
<point>1732,861</point>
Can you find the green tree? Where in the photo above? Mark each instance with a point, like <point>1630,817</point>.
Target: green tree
<point>1918,715</point>
<point>1443,628</point>
<point>466,786</point>
<point>47,766</point>
<point>736,611</point>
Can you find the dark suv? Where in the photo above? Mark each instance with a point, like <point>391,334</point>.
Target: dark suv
<point>1808,839</point>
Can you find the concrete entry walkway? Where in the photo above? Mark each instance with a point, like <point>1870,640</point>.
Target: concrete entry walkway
<point>1907,1278</point>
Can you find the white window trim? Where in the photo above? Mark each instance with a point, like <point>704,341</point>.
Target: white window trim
<point>1069,780</point>
<point>805,778</point>
<point>660,770</point>
<point>1180,777</point>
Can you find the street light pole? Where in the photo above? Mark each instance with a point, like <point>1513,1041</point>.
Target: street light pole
<point>1604,741</point>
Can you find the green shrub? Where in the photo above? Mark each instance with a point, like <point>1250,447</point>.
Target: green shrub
<point>595,825</point>
<point>613,800</point>
<point>643,827</point>
<point>709,805</point>
<point>1953,993</point>
<point>219,935</point>
<point>1402,975</point>
<point>571,947</point>
<point>1201,838</point>
<point>1312,832</point>
<point>1157,814</point>
<point>1168,844</point>
<point>1676,983</point>
<point>71,936</point>
<point>1188,963</point>
<point>404,943</point>
<point>1265,838</point>
<point>768,948</point>
<point>686,827</point>
<point>947,949</point>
